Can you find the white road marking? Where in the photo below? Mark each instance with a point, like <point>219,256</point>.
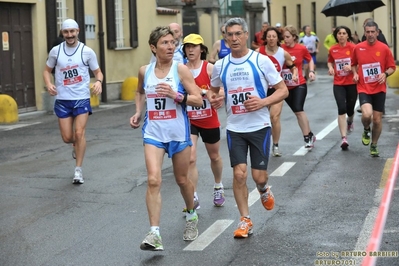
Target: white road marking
<point>283,168</point>
<point>327,130</point>
<point>392,230</point>
<point>302,151</point>
<point>253,197</point>
<point>209,235</point>
<point>19,125</point>
<point>365,233</point>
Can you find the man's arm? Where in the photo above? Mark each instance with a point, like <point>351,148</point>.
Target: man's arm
<point>52,90</point>
<point>214,53</point>
<point>97,86</point>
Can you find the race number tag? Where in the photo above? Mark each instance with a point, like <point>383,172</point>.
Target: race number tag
<point>237,98</point>
<point>371,72</point>
<point>339,66</point>
<point>200,112</point>
<point>160,108</point>
<point>71,75</point>
<point>287,77</point>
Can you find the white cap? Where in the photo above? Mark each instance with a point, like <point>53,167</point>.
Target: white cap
<point>278,25</point>
<point>69,24</point>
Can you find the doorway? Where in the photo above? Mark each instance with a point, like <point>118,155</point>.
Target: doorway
<point>16,55</point>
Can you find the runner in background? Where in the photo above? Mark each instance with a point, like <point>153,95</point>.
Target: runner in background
<point>298,89</point>
<point>345,91</point>
<point>279,57</point>
<point>372,63</point>
<point>220,47</point>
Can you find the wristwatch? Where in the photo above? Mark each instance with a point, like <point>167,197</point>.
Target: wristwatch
<point>179,98</point>
<point>386,74</point>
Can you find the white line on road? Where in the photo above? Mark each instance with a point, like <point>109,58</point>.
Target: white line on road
<point>327,130</point>
<point>252,197</point>
<point>283,168</point>
<point>392,230</point>
<point>302,151</point>
<point>209,235</point>
<point>365,233</point>
<point>11,127</point>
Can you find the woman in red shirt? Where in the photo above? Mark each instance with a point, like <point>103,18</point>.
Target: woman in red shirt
<point>298,88</point>
<point>345,91</point>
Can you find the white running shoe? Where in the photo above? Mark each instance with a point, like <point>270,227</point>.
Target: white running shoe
<point>276,151</point>
<point>78,177</point>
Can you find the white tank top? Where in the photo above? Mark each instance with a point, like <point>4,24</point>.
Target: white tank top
<point>244,78</point>
<point>164,120</point>
<point>72,76</point>
<point>278,59</point>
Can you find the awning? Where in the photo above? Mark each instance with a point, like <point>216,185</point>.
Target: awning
<point>167,11</point>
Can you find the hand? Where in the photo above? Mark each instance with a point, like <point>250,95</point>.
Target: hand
<point>52,90</point>
<point>165,90</point>
<point>294,77</point>
<point>135,120</point>
<point>96,88</point>
<point>253,103</point>
<point>355,78</point>
<point>312,76</point>
<point>331,71</point>
<point>216,100</point>
<point>382,78</point>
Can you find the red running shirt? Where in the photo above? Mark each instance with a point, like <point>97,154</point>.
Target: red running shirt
<point>340,56</point>
<point>205,116</point>
<point>372,60</point>
<point>298,53</point>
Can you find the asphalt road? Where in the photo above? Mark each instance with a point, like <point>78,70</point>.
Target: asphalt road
<point>326,199</point>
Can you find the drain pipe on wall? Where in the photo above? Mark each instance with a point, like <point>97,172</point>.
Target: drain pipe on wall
<point>394,29</point>
<point>102,49</point>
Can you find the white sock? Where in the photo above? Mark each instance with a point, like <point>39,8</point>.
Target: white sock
<point>191,216</point>
<point>195,195</point>
<point>77,168</point>
<point>262,189</point>
<point>218,185</point>
<point>155,229</point>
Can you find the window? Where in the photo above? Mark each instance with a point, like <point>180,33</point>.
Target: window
<point>298,17</point>
<point>284,16</point>
<point>61,12</point>
<point>314,16</point>
<point>118,26</point>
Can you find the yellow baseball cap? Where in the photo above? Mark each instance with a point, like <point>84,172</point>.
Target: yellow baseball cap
<point>193,39</point>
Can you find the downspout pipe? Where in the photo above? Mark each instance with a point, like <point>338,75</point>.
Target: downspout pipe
<point>102,50</point>
<point>395,43</point>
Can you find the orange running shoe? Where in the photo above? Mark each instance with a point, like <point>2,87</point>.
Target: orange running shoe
<point>267,199</point>
<point>244,228</point>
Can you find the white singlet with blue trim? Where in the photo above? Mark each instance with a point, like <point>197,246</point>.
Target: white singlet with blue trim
<point>240,77</point>
<point>164,120</point>
<point>72,76</point>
